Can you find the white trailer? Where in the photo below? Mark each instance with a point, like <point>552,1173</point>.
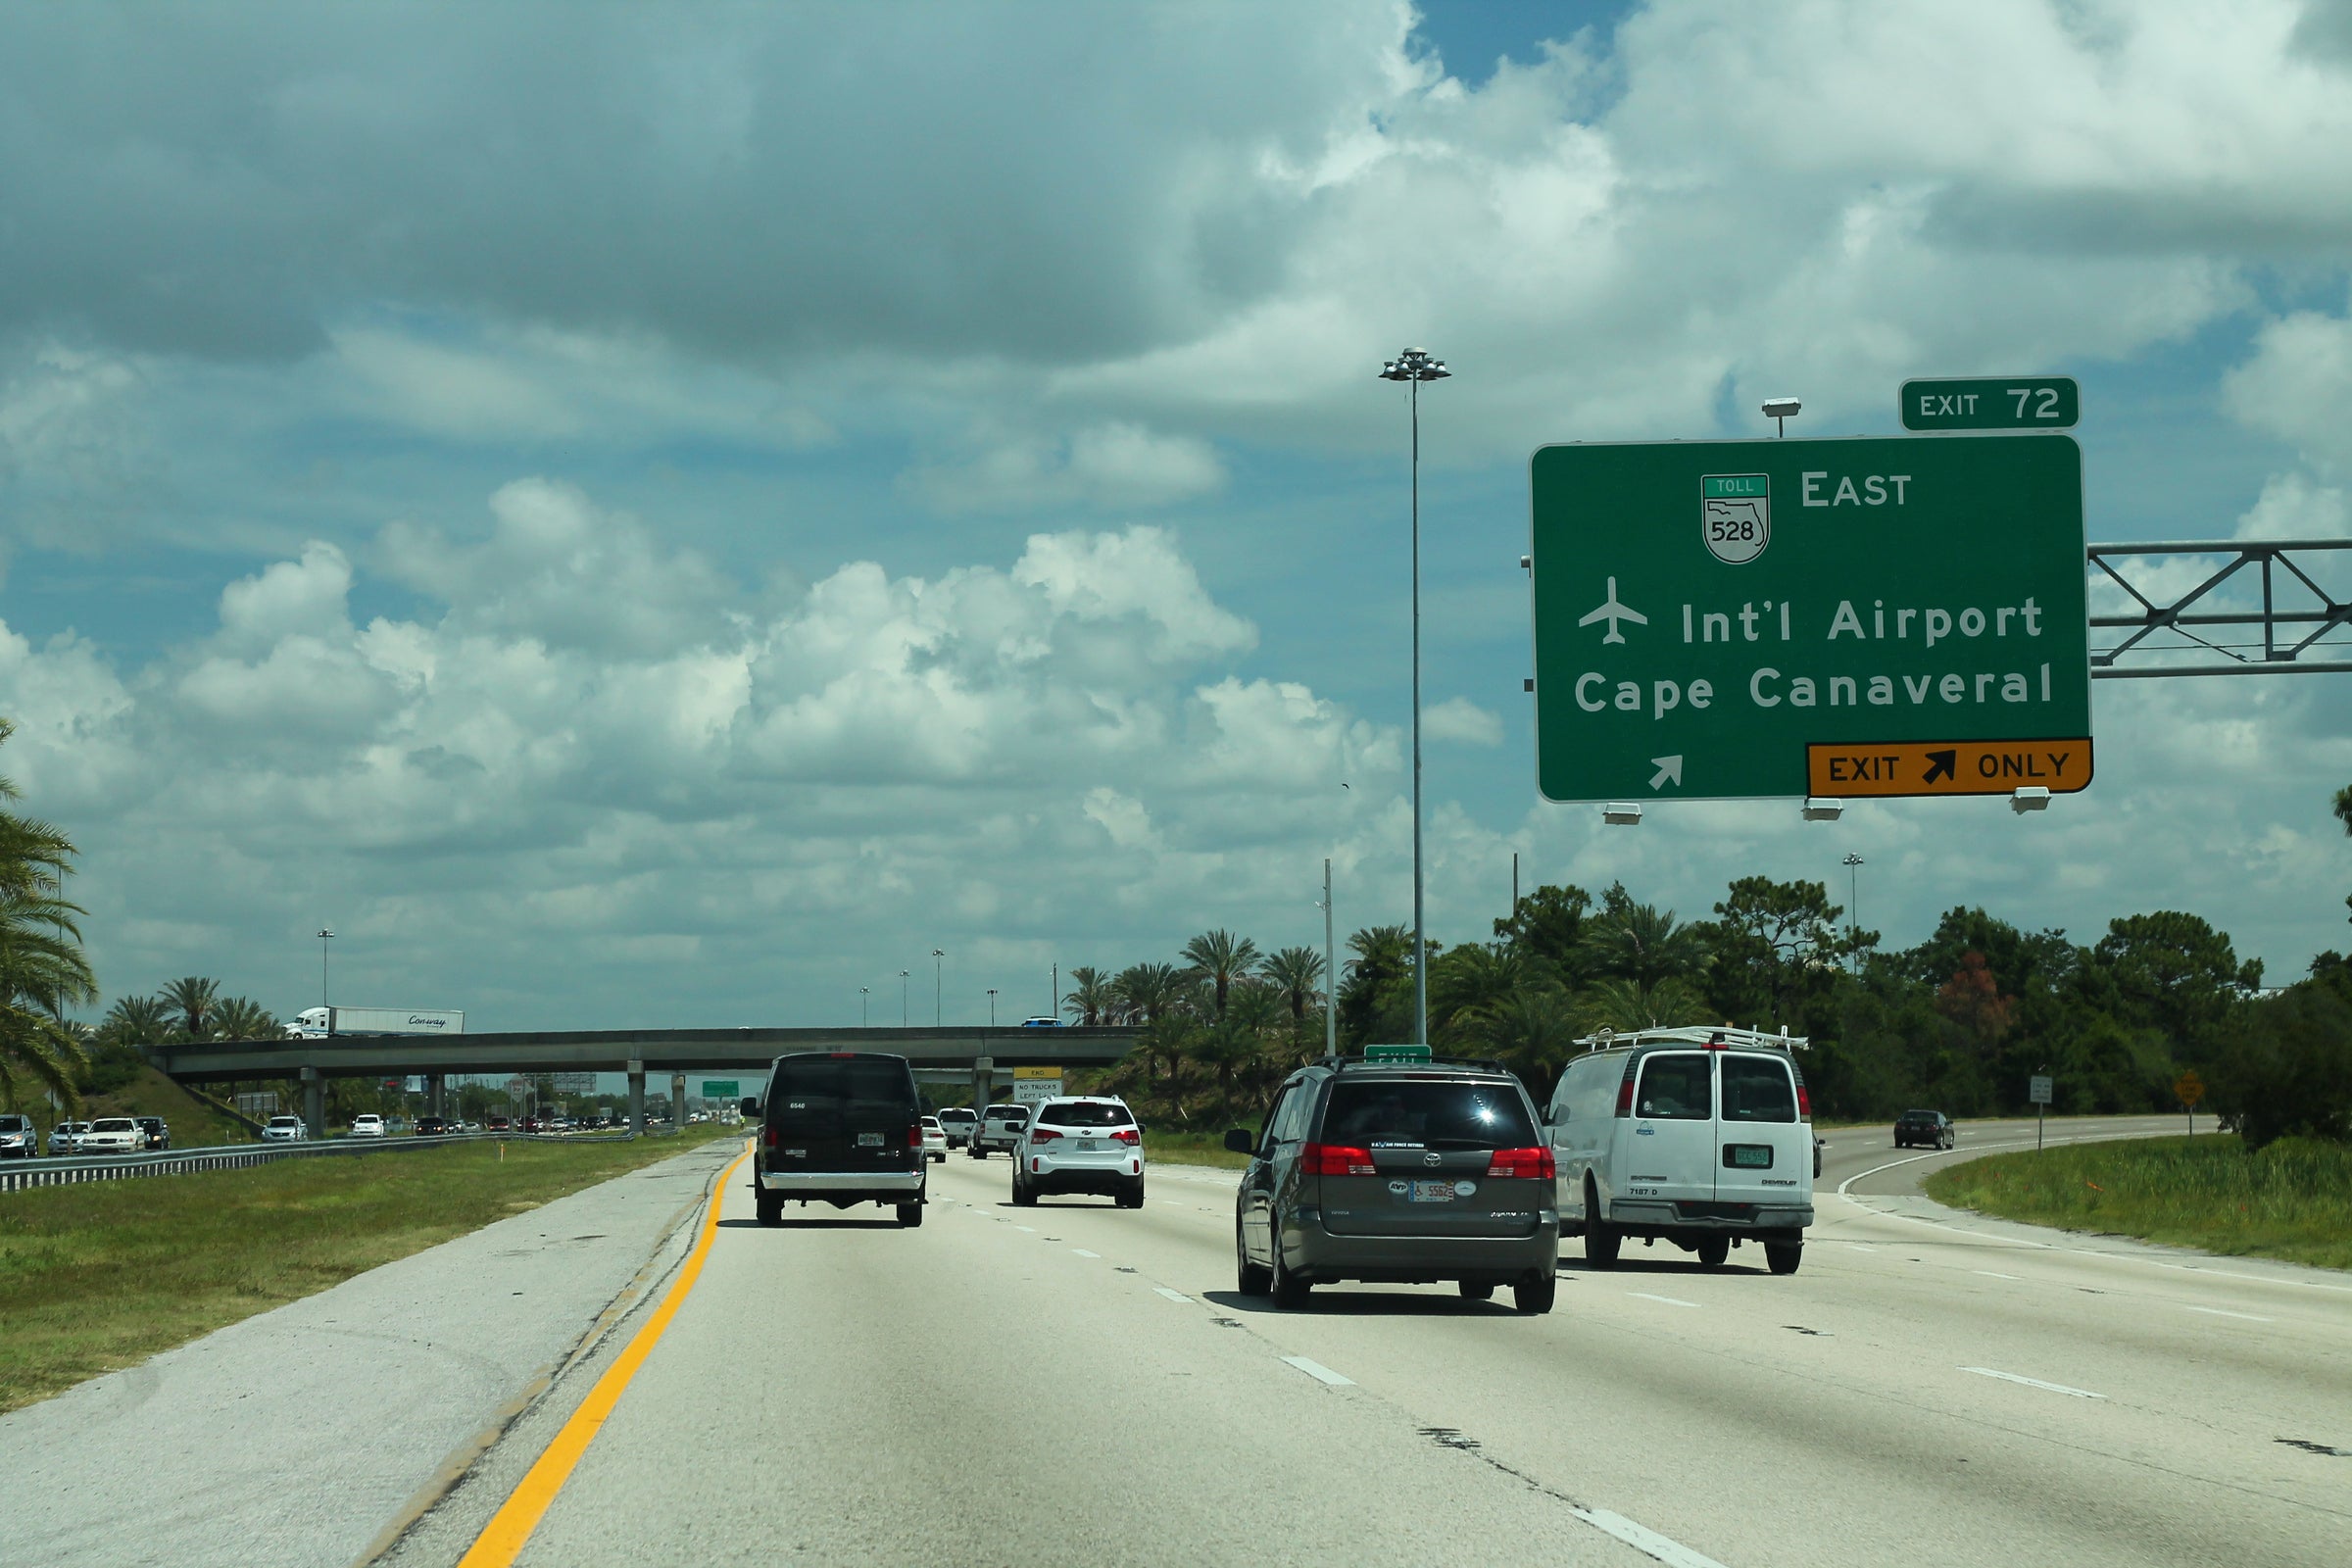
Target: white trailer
<point>315,1023</point>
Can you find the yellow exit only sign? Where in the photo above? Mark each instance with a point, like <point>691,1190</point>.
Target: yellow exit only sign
<point>1947,768</point>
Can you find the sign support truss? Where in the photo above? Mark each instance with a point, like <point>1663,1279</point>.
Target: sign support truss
<point>2230,637</point>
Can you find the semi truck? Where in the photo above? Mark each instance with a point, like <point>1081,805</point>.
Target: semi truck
<point>317,1024</point>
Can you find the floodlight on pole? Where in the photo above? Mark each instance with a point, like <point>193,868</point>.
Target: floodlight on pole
<point>1781,411</point>
<point>862,990</point>
<point>1854,902</point>
<point>1823,808</point>
<point>902,999</point>
<point>992,1007</point>
<point>1414,366</point>
<point>939,992</point>
<point>325,937</point>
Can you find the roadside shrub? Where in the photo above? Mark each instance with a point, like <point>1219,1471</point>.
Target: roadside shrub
<point>2287,1070</point>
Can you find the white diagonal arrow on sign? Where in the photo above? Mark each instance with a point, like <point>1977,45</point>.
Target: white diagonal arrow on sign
<point>1670,771</point>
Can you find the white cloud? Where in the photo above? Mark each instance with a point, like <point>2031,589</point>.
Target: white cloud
<point>1112,465</point>
<point>2297,386</point>
<point>1457,718</point>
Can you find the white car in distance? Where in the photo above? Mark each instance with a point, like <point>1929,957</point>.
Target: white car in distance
<point>113,1135</point>
<point>285,1129</point>
<point>934,1141</point>
<point>367,1124</point>
<point>65,1137</point>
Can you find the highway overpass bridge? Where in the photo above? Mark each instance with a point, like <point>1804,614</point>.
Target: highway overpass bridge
<point>956,1052</point>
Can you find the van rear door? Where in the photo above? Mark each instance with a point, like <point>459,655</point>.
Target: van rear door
<point>1766,1148</point>
<point>843,1114</point>
<point>1412,1156</point>
<point>1670,1152</point>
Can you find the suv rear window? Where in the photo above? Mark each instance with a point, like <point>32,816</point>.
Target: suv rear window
<point>1674,1088</point>
<point>821,1097</point>
<point>1085,1115</point>
<point>1427,1112</point>
<point>1757,1089</point>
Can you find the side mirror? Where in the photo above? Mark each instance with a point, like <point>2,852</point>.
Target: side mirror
<point>750,1105</point>
<point>1241,1141</point>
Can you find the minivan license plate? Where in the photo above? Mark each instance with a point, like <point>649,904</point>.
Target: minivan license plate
<point>1433,1191</point>
<point>870,1140</point>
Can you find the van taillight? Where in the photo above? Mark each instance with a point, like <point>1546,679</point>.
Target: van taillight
<point>1335,1160</point>
<point>914,1136</point>
<point>1804,1104</point>
<point>1536,1162</point>
<point>1127,1135</point>
<point>771,1138</point>
<point>1625,1093</point>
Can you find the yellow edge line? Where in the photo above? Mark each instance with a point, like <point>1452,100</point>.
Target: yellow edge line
<point>502,1538</point>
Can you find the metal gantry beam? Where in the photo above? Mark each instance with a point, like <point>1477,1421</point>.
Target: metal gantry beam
<point>2210,623</point>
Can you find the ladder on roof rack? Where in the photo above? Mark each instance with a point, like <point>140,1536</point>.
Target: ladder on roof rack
<point>1698,1035</point>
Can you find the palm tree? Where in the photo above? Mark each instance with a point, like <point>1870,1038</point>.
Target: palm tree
<point>1481,975</point>
<point>1381,953</point>
<point>1220,958</point>
<point>136,1021</point>
<point>243,1018</point>
<point>1096,995</point>
<point>1295,972</point>
<point>1532,1029</point>
<point>1643,943</point>
<point>1148,990</point>
<point>1625,1004</point>
<point>42,969</point>
<point>194,998</point>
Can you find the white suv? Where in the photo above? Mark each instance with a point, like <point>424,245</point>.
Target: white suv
<point>65,1137</point>
<point>1081,1144</point>
<point>367,1124</point>
<point>285,1129</point>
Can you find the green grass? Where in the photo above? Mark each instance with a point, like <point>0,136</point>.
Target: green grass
<point>101,1275</point>
<point>2292,1201</point>
<point>1192,1148</point>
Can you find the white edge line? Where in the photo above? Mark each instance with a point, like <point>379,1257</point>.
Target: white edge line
<point>2219,1312</point>
<point>2033,1383</point>
<point>1031,1229</point>
<point>1643,1539</point>
<point>1319,1372</point>
<point>1177,1297</point>
<point>1670,1300</point>
<point>1083,1253</point>
<point>1990,1275</point>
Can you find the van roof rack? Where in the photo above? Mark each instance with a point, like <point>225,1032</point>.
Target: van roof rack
<point>1716,1038</point>
<point>1475,1064</point>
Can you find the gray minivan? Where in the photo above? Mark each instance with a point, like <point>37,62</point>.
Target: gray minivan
<point>1397,1173</point>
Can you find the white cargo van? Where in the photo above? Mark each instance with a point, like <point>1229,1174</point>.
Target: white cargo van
<point>1701,1137</point>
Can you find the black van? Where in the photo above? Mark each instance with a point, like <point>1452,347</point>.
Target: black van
<point>839,1127</point>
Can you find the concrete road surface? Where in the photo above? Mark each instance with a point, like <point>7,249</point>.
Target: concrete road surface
<point>1075,1383</point>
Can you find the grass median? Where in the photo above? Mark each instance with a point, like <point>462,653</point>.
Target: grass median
<point>101,1275</point>
<point>2292,1201</point>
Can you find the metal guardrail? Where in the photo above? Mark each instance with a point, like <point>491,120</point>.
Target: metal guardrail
<point>59,1170</point>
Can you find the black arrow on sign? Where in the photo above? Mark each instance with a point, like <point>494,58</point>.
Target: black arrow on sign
<point>1945,762</point>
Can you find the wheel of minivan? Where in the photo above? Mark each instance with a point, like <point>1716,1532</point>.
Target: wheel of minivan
<point>1781,1257</point>
<point>1714,1251</point>
<point>1534,1294</point>
<point>1477,1289</point>
<point>1289,1291</point>
<point>1250,1279</point>
<point>911,1214</point>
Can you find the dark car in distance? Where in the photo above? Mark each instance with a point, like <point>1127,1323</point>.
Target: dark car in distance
<point>158,1131</point>
<point>432,1126</point>
<point>1930,1129</point>
<point>1399,1172</point>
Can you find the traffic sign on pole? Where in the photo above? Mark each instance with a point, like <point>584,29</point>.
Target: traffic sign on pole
<point>1992,403</point>
<point>1741,618</point>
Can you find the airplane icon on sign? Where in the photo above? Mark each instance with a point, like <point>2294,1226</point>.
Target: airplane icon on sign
<point>1612,612</point>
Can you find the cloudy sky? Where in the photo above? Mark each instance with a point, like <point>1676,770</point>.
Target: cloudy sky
<point>667,514</point>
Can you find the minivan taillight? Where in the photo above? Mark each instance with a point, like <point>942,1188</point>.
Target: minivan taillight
<point>1043,1135</point>
<point>1128,1135</point>
<point>1536,1162</point>
<point>1335,1160</point>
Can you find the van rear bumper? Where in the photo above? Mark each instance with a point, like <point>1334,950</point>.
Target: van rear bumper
<point>1663,1216</point>
<point>841,1184</point>
<point>1317,1255</point>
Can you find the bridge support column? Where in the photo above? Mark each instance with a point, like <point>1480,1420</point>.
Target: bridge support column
<point>677,1101</point>
<point>436,1098</point>
<point>314,1102</point>
<point>636,1100</point>
<point>984,1083</point>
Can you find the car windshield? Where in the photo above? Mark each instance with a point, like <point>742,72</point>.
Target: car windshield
<point>113,1124</point>
<point>1085,1113</point>
<point>15,1124</point>
<point>1427,1111</point>
<point>286,1122</point>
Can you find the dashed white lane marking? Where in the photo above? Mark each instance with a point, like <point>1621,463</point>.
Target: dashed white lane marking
<point>2033,1383</point>
<point>2216,1312</point>
<point>1083,1253</point>
<point>1172,1203</point>
<point>1319,1372</point>
<point>1031,1229</point>
<point>1643,1539</point>
<point>1177,1297</point>
<point>1859,1246</point>
<point>1990,1275</point>
<point>1670,1300</point>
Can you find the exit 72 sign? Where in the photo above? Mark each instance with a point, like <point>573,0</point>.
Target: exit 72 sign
<point>1713,616</point>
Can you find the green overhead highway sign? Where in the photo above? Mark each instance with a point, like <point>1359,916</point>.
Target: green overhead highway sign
<point>722,1089</point>
<point>1708,614</point>
<point>1992,403</point>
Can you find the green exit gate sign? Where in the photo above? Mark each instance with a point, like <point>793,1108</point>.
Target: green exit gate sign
<point>1992,403</point>
<point>1707,613</point>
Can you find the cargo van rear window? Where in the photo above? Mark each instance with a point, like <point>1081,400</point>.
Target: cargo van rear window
<point>1436,1113</point>
<point>827,1095</point>
<point>1674,1088</point>
<point>1757,1089</point>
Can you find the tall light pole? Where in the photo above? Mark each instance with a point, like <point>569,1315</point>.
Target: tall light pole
<point>902,999</point>
<point>1414,366</point>
<point>861,990</point>
<point>992,1007</point>
<point>1331,973</point>
<point>1853,903</point>
<point>939,993</point>
<point>325,937</point>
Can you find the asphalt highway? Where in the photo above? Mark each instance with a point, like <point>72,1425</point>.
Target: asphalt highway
<point>1075,1383</point>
